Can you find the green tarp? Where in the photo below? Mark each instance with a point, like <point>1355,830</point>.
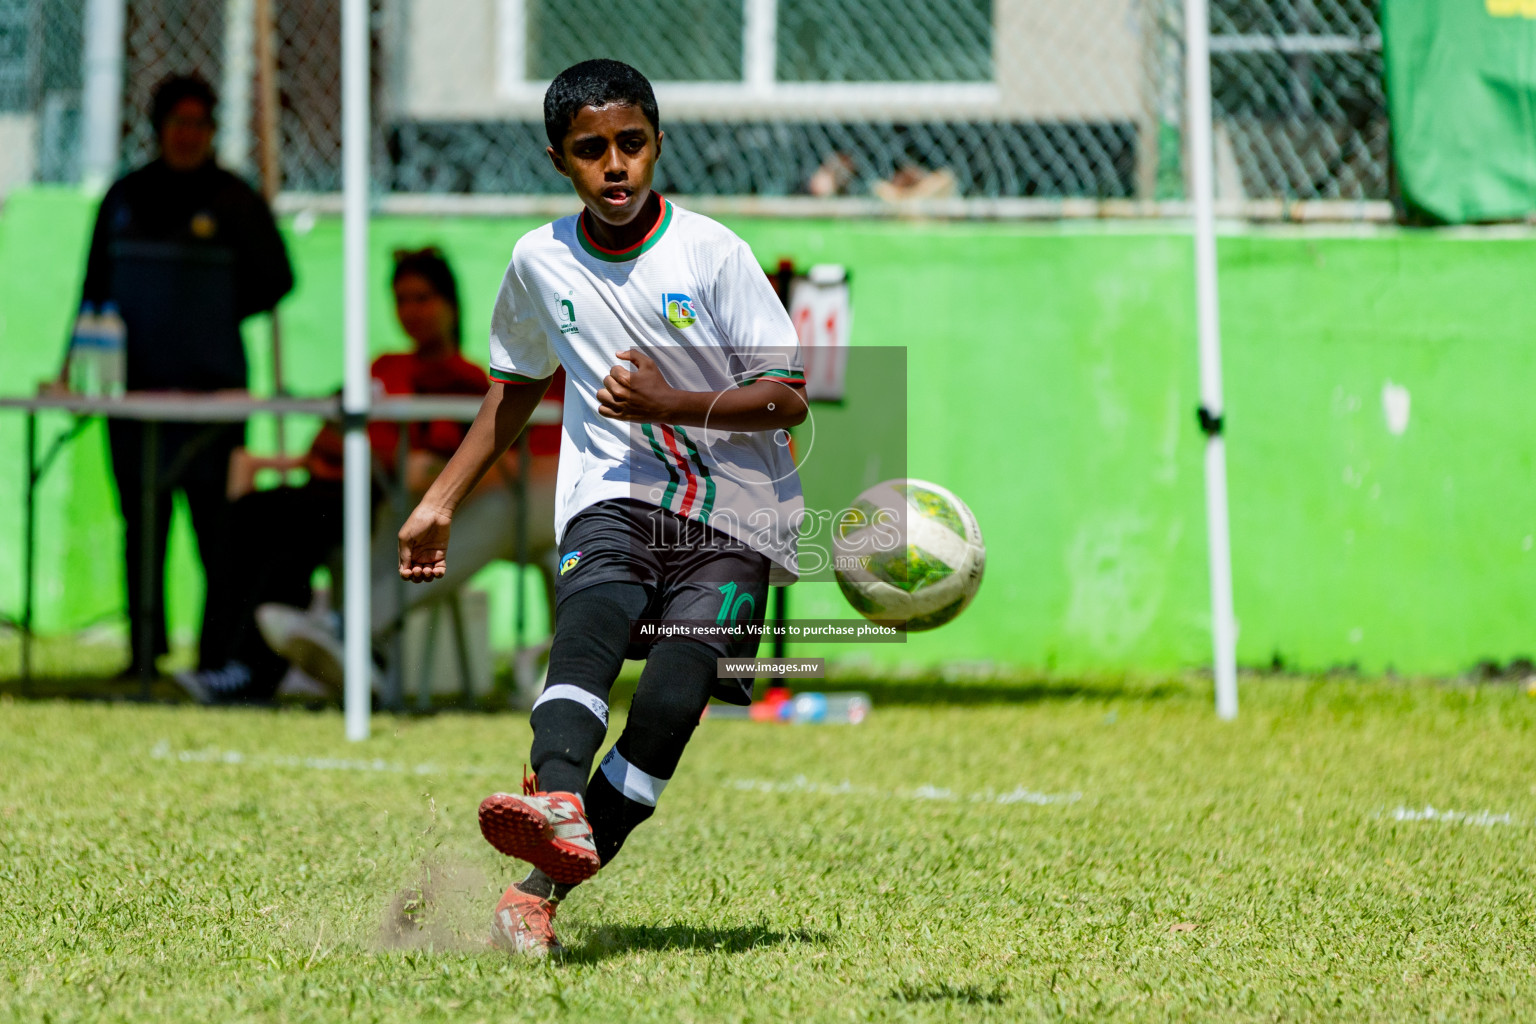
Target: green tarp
<point>1461,87</point>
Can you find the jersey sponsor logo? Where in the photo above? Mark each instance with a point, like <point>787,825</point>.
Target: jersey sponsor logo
<point>568,562</point>
<point>203,225</point>
<point>565,313</point>
<point>678,309</point>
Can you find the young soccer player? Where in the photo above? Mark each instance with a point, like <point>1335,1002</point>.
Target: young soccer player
<point>677,498</point>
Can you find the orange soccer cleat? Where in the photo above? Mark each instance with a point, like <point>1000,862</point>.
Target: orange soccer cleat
<point>548,830</point>
<point>524,924</point>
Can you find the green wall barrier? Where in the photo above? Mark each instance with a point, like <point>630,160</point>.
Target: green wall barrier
<point>1379,437</point>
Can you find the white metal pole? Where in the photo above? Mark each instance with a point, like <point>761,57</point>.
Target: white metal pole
<point>355,390</point>
<point>512,47</point>
<point>235,90</point>
<point>759,44</point>
<point>101,112</point>
<point>1197,61</point>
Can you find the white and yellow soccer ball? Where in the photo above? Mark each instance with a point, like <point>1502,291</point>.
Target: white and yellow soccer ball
<point>908,554</point>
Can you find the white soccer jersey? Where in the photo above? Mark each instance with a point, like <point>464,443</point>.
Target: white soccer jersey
<point>692,297</point>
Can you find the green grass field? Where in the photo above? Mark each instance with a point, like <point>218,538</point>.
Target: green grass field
<point>1033,850</point>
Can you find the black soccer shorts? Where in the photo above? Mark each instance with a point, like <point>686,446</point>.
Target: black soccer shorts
<point>691,573</point>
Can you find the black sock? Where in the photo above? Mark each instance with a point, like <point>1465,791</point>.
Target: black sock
<point>541,885</point>
<point>673,690</point>
<point>612,814</point>
<point>570,718</point>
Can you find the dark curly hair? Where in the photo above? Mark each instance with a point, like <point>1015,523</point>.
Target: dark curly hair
<point>172,90</point>
<point>431,266</point>
<point>595,83</point>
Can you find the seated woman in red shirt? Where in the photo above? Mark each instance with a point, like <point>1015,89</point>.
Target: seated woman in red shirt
<point>427,306</point>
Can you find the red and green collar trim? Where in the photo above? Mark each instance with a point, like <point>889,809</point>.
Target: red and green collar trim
<point>624,255</point>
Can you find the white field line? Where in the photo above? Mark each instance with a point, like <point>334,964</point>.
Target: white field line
<point>211,755</point>
<point>1481,819</point>
<point>163,751</point>
<point>800,784</point>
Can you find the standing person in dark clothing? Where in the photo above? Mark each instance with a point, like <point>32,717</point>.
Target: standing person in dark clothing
<point>187,251</point>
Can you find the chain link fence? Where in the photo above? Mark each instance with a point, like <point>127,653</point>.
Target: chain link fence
<point>218,39</point>
<point>1297,92</point>
<point>938,99</point>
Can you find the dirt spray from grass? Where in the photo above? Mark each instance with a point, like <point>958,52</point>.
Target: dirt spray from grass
<point>447,907</point>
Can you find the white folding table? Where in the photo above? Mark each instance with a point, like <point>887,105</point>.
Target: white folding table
<point>212,408</point>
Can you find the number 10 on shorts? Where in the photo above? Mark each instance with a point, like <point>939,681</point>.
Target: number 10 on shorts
<point>731,605</point>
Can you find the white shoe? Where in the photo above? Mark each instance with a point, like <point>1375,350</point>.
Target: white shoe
<point>311,643</point>
<point>278,623</point>
<point>298,683</point>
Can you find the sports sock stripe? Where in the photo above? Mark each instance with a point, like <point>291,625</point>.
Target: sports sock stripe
<point>565,691</point>
<point>635,784</point>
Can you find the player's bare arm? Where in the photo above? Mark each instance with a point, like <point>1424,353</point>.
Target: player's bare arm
<point>642,395</point>
<point>424,537</point>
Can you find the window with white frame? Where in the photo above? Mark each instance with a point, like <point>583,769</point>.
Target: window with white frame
<point>721,54</point>
<point>883,41</point>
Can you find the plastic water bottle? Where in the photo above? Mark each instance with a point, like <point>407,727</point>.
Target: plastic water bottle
<point>85,352</point>
<point>848,708</point>
<point>112,358</point>
<point>827,708</point>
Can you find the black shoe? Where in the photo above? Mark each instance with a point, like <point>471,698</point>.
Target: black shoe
<point>228,685</point>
